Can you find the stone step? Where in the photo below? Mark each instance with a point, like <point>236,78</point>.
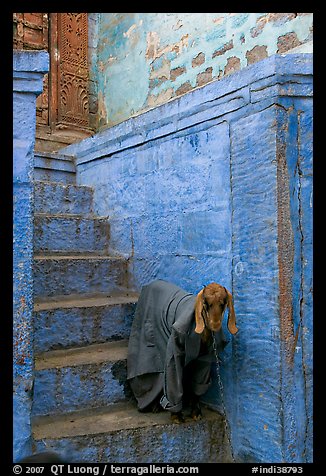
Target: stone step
<point>120,434</point>
<point>54,167</point>
<point>78,274</point>
<point>71,233</point>
<point>45,145</point>
<point>80,320</point>
<point>54,197</point>
<point>47,140</point>
<point>79,356</point>
<point>77,378</point>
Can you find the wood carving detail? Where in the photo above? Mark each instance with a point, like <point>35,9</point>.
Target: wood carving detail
<point>64,102</point>
<point>73,106</point>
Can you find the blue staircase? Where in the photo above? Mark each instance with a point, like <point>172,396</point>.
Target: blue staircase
<point>84,306</point>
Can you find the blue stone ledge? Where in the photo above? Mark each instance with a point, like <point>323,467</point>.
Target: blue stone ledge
<point>275,76</point>
<point>29,68</point>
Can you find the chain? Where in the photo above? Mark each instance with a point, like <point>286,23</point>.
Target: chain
<point>220,385</point>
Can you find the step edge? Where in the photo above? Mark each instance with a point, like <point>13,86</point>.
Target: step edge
<point>86,216</point>
<point>44,360</point>
<point>62,184</point>
<point>149,420</point>
<point>54,156</point>
<point>72,301</point>
<point>74,256</point>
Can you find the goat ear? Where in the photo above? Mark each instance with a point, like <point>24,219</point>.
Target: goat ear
<point>231,317</point>
<point>198,313</point>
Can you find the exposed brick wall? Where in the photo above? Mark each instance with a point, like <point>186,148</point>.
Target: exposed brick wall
<point>146,59</point>
<point>30,31</point>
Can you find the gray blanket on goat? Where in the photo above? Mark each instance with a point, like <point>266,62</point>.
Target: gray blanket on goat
<point>163,343</point>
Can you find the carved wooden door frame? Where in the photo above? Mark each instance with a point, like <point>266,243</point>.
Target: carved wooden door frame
<point>68,98</point>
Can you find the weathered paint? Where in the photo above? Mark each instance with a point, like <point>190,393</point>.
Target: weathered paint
<point>28,71</point>
<point>141,60</point>
<point>83,325</point>
<point>216,186</point>
<point>297,327</point>
<point>70,234</point>
<point>63,198</point>
<point>255,285</point>
<point>71,388</point>
<point>77,274</point>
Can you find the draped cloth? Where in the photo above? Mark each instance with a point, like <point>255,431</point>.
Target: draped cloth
<point>164,348</point>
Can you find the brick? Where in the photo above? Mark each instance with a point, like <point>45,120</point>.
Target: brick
<point>255,31</point>
<point>184,88</point>
<point>232,65</point>
<point>175,72</point>
<point>226,47</point>
<point>280,18</point>
<point>287,42</point>
<point>276,19</point>
<point>198,60</point>
<point>260,24</point>
<point>204,77</point>
<point>256,54</point>
<point>35,18</point>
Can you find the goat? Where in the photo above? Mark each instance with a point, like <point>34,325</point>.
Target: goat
<point>171,345</point>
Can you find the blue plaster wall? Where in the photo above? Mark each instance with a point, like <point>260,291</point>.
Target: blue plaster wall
<point>29,67</point>
<point>172,226</point>
<point>216,186</point>
<point>295,146</point>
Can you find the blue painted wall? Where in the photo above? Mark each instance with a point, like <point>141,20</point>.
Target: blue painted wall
<point>216,186</point>
<point>172,226</point>
<point>29,68</point>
